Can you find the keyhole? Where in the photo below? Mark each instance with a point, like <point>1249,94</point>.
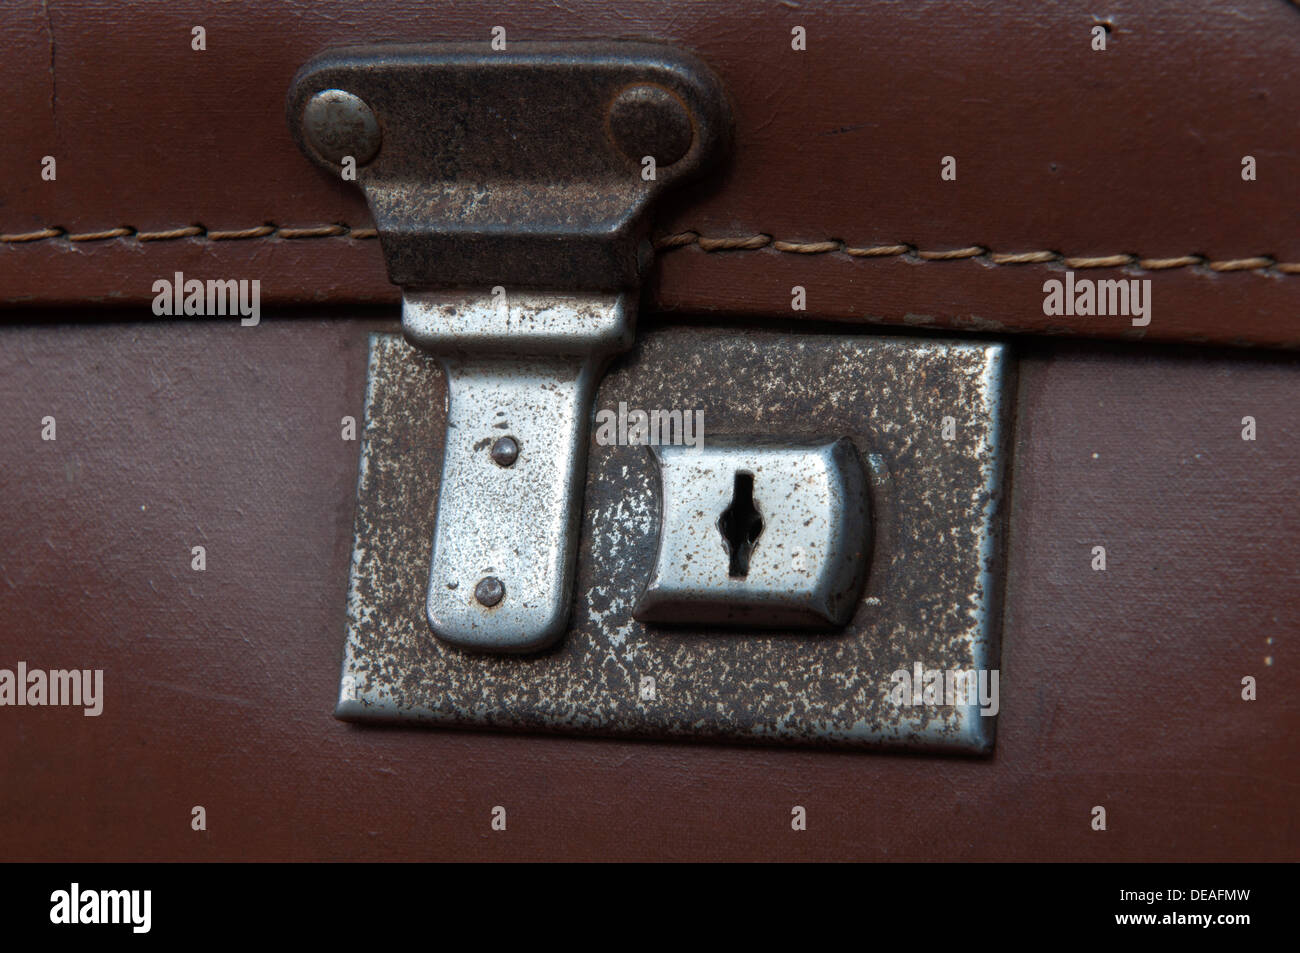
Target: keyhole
<point>741,524</point>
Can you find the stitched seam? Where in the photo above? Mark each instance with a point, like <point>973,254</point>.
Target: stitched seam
<point>1257,263</point>
<point>198,232</point>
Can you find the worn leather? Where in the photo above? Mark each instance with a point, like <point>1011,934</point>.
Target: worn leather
<point>1119,688</point>
<point>1135,151</point>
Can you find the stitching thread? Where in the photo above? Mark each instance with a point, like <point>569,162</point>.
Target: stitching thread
<point>1258,263</point>
<point>192,231</point>
<point>1262,263</point>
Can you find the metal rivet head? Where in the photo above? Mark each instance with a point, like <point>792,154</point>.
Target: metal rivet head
<point>489,591</point>
<point>338,124</point>
<point>650,121</point>
<point>505,451</point>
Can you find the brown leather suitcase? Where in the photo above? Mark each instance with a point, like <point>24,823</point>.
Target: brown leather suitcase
<point>1147,142</point>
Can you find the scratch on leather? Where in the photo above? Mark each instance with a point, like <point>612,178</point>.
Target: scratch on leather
<point>1257,263</point>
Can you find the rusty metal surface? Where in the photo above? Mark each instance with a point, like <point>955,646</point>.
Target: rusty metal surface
<point>522,166</point>
<point>932,595</point>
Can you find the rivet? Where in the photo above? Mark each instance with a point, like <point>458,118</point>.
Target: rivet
<point>649,120</point>
<point>505,451</point>
<point>489,591</point>
<point>339,124</point>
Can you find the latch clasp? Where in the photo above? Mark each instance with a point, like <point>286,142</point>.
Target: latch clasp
<point>509,190</point>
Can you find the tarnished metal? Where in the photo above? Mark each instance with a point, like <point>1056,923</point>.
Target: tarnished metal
<point>505,451</point>
<point>468,324</point>
<point>524,367</point>
<point>524,176</point>
<point>650,121</point>
<point>338,124</point>
<point>931,597</point>
<point>794,556</point>
<point>489,591</point>
<point>512,167</point>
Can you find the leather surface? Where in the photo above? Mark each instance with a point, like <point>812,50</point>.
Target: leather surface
<point>1061,151</point>
<point>1119,689</point>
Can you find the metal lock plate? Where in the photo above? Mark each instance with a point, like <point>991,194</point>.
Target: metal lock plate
<point>931,597</point>
<point>509,192</point>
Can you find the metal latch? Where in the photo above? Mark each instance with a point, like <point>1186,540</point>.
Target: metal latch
<point>510,192</point>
